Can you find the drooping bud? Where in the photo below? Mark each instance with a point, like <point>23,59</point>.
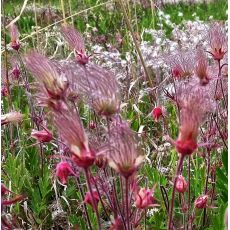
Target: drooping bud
<point>201,201</point>
<point>157,113</point>
<point>42,135</point>
<point>63,171</point>
<point>89,199</point>
<point>181,184</point>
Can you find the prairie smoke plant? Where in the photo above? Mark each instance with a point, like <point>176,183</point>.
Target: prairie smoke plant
<point>193,107</point>
<point>76,42</point>
<point>217,42</point>
<point>14,34</point>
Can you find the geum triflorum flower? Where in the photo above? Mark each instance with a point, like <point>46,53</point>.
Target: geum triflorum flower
<point>123,153</point>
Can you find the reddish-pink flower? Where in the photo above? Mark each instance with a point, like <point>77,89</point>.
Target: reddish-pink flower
<point>63,171</point>
<point>144,198</point>
<point>201,201</point>
<point>157,113</point>
<point>89,199</point>
<point>42,136</point>
<point>181,184</point>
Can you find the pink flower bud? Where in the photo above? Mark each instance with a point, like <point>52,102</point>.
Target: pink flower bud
<point>89,199</point>
<point>42,136</point>
<point>16,72</point>
<point>157,113</point>
<point>63,170</point>
<point>201,201</point>
<point>144,198</point>
<point>92,125</point>
<point>181,184</point>
<point>4,91</point>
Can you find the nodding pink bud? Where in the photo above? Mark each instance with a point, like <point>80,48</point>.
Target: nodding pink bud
<point>92,125</point>
<point>181,184</point>
<point>14,37</point>
<point>63,170</point>
<point>89,199</point>
<point>4,91</point>
<point>157,113</point>
<point>201,201</point>
<point>42,136</point>
<point>144,198</point>
<point>16,73</point>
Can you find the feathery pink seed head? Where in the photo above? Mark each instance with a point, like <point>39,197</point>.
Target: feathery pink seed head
<point>217,41</point>
<point>124,155</point>
<point>14,37</point>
